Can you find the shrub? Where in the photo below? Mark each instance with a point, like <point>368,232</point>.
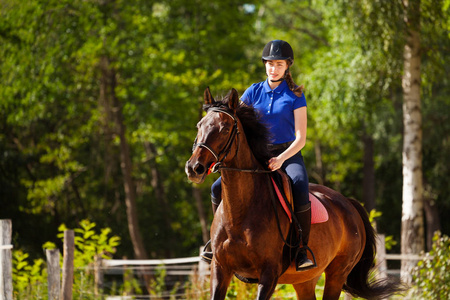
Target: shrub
<point>431,277</point>
<point>30,280</point>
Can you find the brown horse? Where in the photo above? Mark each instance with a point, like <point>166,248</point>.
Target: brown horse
<point>245,237</point>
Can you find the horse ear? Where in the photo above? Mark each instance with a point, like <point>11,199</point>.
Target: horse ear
<point>233,99</point>
<point>208,97</point>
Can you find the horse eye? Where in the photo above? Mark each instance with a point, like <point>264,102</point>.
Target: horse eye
<point>225,131</point>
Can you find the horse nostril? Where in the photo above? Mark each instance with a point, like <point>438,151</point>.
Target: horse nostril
<point>199,169</point>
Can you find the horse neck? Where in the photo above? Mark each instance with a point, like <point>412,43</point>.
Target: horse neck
<point>238,188</point>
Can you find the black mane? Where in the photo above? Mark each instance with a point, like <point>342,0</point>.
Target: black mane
<point>256,132</point>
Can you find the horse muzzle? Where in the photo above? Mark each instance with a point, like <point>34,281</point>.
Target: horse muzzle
<point>195,171</point>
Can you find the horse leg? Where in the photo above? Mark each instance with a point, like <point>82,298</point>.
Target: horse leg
<point>335,277</point>
<point>306,290</point>
<point>267,282</point>
<point>333,288</point>
<point>220,280</point>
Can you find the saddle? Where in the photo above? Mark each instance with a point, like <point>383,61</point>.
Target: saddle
<point>282,185</point>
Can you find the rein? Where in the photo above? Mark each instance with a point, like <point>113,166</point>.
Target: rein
<point>217,167</point>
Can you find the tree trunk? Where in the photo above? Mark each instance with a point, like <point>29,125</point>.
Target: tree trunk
<point>161,196</point>
<point>107,92</point>
<point>412,238</point>
<point>369,174</point>
<point>433,220</point>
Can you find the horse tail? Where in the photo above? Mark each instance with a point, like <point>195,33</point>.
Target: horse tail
<point>358,283</point>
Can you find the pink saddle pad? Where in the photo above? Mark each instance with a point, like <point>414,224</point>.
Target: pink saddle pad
<point>319,213</point>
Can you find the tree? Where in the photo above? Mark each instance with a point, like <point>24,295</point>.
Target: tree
<point>388,29</point>
<point>413,233</point>
<point>99,105</point>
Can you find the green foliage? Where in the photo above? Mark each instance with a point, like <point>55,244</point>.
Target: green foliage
<point>59,149</point>
<point>431,277</point>
<point>389,241</point>
<point>130,284</point>
<point>88,243</point>
<point>30,280</point>
<point>373,214</point>
<point>159,287</point>
<point>239,290</point>
<point>242,291</point>
<point>59,154</point>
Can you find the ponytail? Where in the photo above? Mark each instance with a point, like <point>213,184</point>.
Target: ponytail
<point>297,90</point>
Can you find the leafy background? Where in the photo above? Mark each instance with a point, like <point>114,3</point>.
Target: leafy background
<point>60,151</point>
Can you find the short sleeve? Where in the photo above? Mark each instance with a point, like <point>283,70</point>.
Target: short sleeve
<point>247,96</point>
<point>300,101</point>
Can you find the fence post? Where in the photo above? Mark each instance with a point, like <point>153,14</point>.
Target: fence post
<point>54,273</point>
<point>67,280</point>
<point>381,257</point>
<point>6,288</point>
<point>98,264</point>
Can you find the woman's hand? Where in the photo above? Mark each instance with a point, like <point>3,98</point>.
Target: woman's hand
<point>275,163</point>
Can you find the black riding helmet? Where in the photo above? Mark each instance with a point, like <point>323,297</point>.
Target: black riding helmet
<point>278,50</point>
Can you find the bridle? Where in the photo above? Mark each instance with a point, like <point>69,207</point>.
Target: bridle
<point>222,155</point>
<point>214,168</point>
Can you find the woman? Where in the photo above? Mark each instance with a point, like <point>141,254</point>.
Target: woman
<point>282,105</point>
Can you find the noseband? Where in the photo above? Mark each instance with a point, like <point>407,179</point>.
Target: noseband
<point>227,148</point>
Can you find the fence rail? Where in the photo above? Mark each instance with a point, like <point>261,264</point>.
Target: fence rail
<point>404,257</point>
<point>149,262</point>
<point>177,266</point>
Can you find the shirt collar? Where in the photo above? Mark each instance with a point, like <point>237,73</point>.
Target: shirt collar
<point>277,90</point>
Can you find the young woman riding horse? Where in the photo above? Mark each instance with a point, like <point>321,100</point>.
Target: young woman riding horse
<point>248,232</point>
<point>282,105</point>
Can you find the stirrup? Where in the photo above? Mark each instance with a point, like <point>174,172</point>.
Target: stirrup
<point>307,264</point>
<point>206,256</point>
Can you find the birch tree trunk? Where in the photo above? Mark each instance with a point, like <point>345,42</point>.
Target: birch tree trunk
<point>412,237</point>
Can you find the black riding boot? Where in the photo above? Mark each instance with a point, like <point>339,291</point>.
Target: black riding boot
<point>302,261</point>
<point>207,256</point>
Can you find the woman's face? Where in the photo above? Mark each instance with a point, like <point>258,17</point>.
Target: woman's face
<point>275,69</point>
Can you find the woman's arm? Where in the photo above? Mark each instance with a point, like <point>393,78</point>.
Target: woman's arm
<point>300,120</point>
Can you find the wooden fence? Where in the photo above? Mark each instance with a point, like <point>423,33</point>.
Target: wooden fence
<point>6,288</point>
<point>178,269</point>
<point>55,290</point>
<point>63,291</point>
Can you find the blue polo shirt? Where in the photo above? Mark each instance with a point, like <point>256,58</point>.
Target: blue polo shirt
<point>276,107</point>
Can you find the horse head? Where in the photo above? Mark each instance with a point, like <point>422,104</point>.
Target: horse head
<point>217,133</point>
